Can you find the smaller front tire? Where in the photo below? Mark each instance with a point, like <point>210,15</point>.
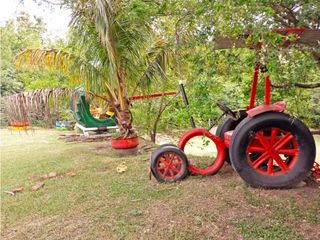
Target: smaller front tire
<point>169,164</point>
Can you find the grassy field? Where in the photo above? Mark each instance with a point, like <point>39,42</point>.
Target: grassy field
<point>100,203</point>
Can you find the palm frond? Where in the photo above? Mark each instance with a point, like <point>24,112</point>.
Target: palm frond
<point>157,62</point>
<point>104,23</point>
<point>79,70</point>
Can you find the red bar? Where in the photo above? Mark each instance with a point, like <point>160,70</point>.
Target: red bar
<point>267,90</point>
<point>254,86</point>
<point>298,31</point>
<point>155,95</point>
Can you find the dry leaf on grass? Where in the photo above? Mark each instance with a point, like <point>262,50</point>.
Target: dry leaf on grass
<point>44,177</point>
<point>121,168</point>
<point>52,175</point>
<point>17,190</point>
<point>71,174</point>
<point>37,186</point>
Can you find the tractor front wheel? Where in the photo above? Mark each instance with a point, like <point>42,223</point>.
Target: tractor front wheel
<point>272,150</point>
<point>169,164</point>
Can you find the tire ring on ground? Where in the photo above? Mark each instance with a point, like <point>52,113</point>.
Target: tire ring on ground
<point>219,161</point>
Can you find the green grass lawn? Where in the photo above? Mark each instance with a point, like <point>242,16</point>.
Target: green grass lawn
<point>100,203</point>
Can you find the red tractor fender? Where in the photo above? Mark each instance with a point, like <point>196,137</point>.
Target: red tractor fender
<point>276,107</point>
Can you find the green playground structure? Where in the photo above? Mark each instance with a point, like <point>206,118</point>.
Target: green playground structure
<point>80,109</point>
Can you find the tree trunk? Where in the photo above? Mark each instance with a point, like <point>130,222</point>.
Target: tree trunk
<point>122,106</point>
<point>153,136</point>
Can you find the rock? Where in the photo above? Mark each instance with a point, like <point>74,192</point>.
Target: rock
<point>52,175</point>
<point>37,186</point>
<point>71,174</point>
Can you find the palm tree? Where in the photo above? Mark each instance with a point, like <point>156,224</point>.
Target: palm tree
<point>110,50</point>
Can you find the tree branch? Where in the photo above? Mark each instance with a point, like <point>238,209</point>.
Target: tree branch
<point>299,85</point>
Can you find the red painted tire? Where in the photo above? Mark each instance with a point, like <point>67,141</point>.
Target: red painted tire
<point>272,150</point>
<point>169,164</point>
<point>219,161</point>
<point>124,143</point>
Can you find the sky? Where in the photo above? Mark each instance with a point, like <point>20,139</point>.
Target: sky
<point>56,19</point>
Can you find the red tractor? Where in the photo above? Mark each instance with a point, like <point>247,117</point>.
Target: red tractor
<point>265,146</point>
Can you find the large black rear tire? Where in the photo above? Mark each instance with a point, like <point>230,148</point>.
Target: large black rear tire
<point>272,150</point>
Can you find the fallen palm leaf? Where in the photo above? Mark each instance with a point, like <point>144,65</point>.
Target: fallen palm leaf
<point>37,186</point>
<point>8,192</point>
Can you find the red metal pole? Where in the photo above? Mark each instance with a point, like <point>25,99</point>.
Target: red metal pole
<point>267,90</point>
<point>254,86</point>
<point>155,95</point>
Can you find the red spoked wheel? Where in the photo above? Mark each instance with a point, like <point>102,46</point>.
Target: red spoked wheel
<point>273,151</point>
<point>217,162</point>
<point>169,164</point>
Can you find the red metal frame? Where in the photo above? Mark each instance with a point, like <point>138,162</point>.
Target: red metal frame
<point>155,95</point>
<point>286,31</point>
<point>267,106</point>
<point>267,90</point>
<point>254,86</point>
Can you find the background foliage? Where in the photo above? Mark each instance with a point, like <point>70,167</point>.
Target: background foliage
<point>189,29</point>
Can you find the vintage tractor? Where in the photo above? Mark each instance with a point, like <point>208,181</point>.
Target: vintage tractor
<point>265,146</point>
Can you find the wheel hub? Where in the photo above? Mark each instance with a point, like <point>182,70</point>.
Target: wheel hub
<point>275,151</point>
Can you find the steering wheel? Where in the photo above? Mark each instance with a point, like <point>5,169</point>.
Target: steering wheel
<point>227,110</point>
